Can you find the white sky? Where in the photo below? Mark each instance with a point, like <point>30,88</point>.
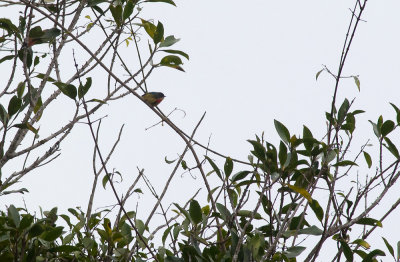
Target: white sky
<point>250,63</point>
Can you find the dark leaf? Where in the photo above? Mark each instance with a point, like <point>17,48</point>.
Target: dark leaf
<point>387,127</point>
<point>283,132</point>
<point>389,247</point>
<point>128,9</point>
<point>368,159</point>
<point>169,41</point>
<point>178,52</point>
<point>343,111</point>
<point>116,12</point>
<point>214,166</point>
<point>164,1</point>
<point>293,252</point>
<point>318,73</point>
<point>14,105</point>
<point>68,90</point>
<point>345,163</point>
<point>397,113</point>
<point>159,33</point>
<point>240,175</point>
<point>348,253</point>
<point>391,147</point>
<point>83,89</point>
<point>369,222</point>
<point>52,234</point>
<point>8,57</point>
<point>195,212</point>
<point>228,167</point>
<point>14,215</point>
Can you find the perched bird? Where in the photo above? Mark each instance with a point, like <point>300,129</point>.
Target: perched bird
<point>153,98</point>
<point>39,36</point>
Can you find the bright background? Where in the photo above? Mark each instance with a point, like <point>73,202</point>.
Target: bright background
<point>250,63</point>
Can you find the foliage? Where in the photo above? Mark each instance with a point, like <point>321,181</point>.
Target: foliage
<point>268,208</point>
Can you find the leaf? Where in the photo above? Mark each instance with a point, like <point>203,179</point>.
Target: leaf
<point>282,153</point>
<point>389,247</point>
<point>318,211</point>
<point>368,159</point>
<point>343,111</point>
<point>228,167</point>
<point>348,253</point>
<point>178,52</point>
<point>214,166</point>
<point>240,175</point>
<point>183,211</point>
<point>387,127</point>
<point>308,139</point>
<point>20,89</point>
<point>301,191</point>
<point>391,147</point>
<point>373,254</point>
<point>68,90</point>
<point>26,126</point>
<point>14,105</point>
<point>149,27</point>
<point>128,9</point>
<point>293,252</point>
<point>319,72</point>
<point>159,33</point>
<point>169,41</point>
<point>375,128</point>
<point>8,57</point>
<point>225,214</point>
<point>82,90</point>
<point>14,215</point>
<point>362,243</point>
<point>397,113</point>
<point>345,163</point>
<point>116,12</point>
<point>283,132</point>
<point>369,222</point>
<point>41,76</point>
<point>52,234</point>
<point>357,81</point>
<point>195,212</point>
<point>105,180</point>
<point>3,115</point>
<point>169,161</point>
<point>164,1</point>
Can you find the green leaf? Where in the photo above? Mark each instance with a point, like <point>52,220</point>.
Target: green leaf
<point>164,1</point>
<point>29,54</point>
<point>319,212</point>
<point>20,89</point>
<point>362,243</point>
<point>302,192</point>
<point>214,166</point>
<point>159,33</point>
<point>240,175</point>
<point>391,147</point>
<point>172,61</point>
<point>14,215</point>
<point>68,90</point>
<point>183,211</point>
<point>52,234</point>
<point>345,163</point>
<point>397,113</point>
<point>195,212</point>
<point>343,111</point>
<point>169,161</point>
<point>376,129</point>
<point>387,127</point>
<point>3,115</point>
<point>83,89</point>
<point>26,221</point>
<point>7,25</point>
<point>128,9</point>
<point>225,214</point>
<point>369,222</point>
<point>169,41</point>
<point>105,180</point>
<point>357,81</point>
<point>283,132</point>
<point>370,257</point>
<point>8,57</point>
<point>178,52</point>
<point>116,12</point>
<point>348,253</point>
<point>282,153</point>
<point>228,167</point>
<point>368,159</point>
<point>389,247</point>
<point>41,76</point>
<point>26,126</point>
<point>293,252</point>
<point>14,105</point>
<point>149,27</point>
<point>308,139</point>
<point>319,72</point>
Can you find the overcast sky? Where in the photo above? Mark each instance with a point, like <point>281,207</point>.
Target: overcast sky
<point>250,62</point>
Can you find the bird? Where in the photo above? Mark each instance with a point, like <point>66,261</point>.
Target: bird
<point>39,36</point>
<point>153,98</point>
